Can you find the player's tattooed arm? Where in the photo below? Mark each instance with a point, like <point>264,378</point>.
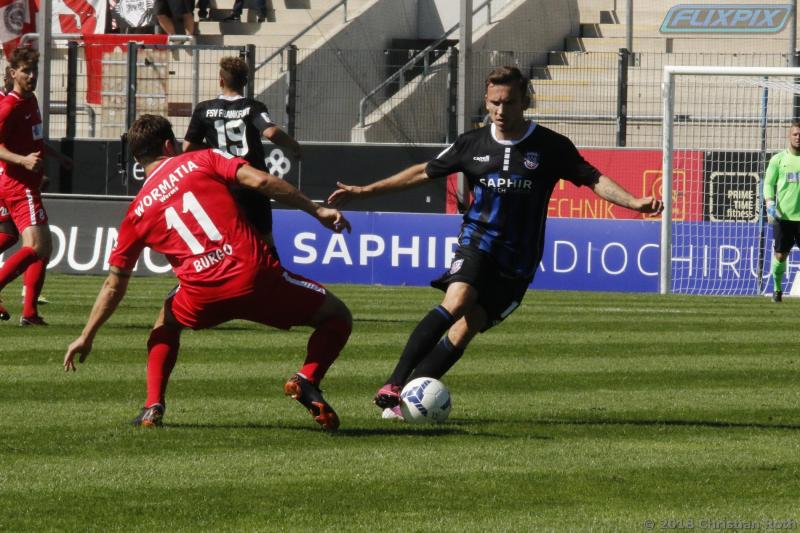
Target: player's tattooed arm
<point>608,189</point>
<point>287,194</point>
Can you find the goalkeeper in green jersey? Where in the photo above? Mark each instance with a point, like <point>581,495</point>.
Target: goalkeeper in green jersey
<point>782,198</point>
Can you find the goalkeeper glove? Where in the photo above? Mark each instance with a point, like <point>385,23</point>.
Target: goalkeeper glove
<point>772,212</point>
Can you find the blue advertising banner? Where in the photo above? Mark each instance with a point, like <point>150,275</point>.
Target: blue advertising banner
<point>413,249</point>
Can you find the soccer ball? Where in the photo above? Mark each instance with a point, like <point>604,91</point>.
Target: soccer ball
<point>425,400</point>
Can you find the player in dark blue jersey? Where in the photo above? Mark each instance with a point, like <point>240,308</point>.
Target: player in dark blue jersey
<point>236,124</point>
<point>512,166</point>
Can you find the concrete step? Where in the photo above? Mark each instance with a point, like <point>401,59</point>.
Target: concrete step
<point>654,11</point>
<point>260,29</point>
<point>619,30</point>
<point>678,44</point>
<point>311,4</point>
<point>593,10</point>
<point>264,41</point>
<point>220,8</point>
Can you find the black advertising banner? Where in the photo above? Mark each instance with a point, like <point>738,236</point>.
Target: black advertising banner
<point>97,171</point>
<point>733,186</point>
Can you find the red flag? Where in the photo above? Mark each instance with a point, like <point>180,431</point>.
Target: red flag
<point>96,45</point>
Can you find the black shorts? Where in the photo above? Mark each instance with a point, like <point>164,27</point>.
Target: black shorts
<point>786,234</point>
<point>173,8</point>
<point>498,294</point>
<point>256,208</point>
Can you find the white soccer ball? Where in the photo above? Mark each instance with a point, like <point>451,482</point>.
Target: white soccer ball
<point>425,400</point>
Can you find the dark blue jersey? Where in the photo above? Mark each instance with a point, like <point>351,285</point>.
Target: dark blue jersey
<point>511,183</point>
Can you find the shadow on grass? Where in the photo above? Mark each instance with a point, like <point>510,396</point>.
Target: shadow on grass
<point>357,319</point>
<point>247,425</point>
<point>719,424</point>
<point>396,430</point>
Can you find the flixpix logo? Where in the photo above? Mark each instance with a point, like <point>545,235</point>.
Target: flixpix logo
<point>726,18</point>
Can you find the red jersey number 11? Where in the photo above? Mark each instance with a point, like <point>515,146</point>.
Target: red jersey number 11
<point>191,205</point>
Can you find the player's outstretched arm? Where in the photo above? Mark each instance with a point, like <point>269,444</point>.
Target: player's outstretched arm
<point>413,175</point>
<point>109,297</point>
<point>608,189</point>
<point>286,193</point>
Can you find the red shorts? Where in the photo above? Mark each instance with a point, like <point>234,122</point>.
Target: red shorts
<point>25,207</point>
<point>279,299</point>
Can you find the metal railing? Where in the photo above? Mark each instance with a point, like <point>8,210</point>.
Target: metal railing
<point>60,108</point>
<point>322,97</point>
<point>398,76</point>
<point>290,42</point>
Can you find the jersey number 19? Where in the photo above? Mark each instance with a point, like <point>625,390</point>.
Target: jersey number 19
<point>231,136</point>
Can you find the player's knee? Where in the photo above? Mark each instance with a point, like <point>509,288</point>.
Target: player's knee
<point>459,299</point>
<point>340,311</point>
<point>163,334</point>
<point>43,250</point>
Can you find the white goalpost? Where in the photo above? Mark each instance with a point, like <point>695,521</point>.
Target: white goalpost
<point>721,125</point>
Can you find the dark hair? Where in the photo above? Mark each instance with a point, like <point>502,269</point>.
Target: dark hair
<point>8,81</point>
<point>509,76</point>
<point>146,137</point>
<point>23,56</point>
<point>233,71</point>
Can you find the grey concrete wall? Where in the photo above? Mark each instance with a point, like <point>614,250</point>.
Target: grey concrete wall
<point>332,79</point>
<point>522,26</point>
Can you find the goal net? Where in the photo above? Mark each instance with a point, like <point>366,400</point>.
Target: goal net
<point>721,125</point>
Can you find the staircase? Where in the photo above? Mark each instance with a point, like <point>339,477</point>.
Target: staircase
<point>285,19</point>
<point>576,91</point>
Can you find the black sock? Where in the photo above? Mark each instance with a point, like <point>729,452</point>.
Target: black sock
<point>439,361</point>
<point>421,342</point>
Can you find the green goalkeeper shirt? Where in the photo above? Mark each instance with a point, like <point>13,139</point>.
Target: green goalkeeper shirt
<point>782,184</point>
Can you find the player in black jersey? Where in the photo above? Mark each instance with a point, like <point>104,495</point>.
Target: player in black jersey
<point>236,124</point>
<point>512,166</point>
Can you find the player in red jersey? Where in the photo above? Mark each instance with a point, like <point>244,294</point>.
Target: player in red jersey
<point>21,147</point>
<point>225,269</point>
<point>8,231</point>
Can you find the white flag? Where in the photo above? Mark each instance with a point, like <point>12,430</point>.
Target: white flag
<point>14,16</point>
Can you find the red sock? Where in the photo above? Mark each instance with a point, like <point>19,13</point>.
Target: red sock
<point>16,265</point>
<point>324,346</point>
<point>162,352</point>
<point>7,240</point>
<point>33,281</point>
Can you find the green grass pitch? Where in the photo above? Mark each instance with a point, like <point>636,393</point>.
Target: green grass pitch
<point>582,412</point>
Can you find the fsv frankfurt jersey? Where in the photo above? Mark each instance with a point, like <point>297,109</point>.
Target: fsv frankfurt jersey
<point>511,183</point>
<point>232,124</point>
